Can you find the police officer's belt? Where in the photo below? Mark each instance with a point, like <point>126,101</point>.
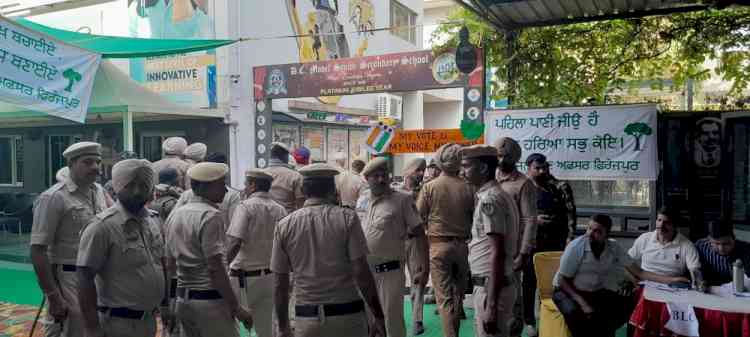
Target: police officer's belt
<point>388,266</point>
<point>481,281</point>
<point>330,309</point>
<point>69,268</point>
<point>123,312</point>
<point>251,273</point>
<point>444,239</point>
<point>193,294</point>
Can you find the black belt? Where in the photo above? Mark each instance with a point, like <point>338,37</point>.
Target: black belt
<point>481,281</point>
<point>251,273</point>
<point>173,288</point>
<point>199,294</point>
<point>330,309</point>
<point>123,312</point>
<point>388,266</point>
<point>69,268</point>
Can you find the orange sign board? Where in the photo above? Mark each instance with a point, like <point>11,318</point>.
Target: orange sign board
<point>427,140</point>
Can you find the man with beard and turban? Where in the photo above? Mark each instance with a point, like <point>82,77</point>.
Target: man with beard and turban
<point>390,217</point>
<point>60,213</point>
<point>174,149</point>
<point>206,304</point>
<point>523,191</point>
<point>447,204</point>
<point>121,259</point>
<point>417,248</point>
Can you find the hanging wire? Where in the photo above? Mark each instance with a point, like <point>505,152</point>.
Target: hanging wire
<point>381,29</point>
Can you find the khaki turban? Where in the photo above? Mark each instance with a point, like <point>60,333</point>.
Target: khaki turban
<point>174,145</point>
<point>414,165</point>
<point>509,147</point>
<point>196,151</point>
<point>448,157</point>
<point>129,170</point>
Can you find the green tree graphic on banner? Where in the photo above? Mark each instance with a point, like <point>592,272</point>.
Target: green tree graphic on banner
<point>638,130</point>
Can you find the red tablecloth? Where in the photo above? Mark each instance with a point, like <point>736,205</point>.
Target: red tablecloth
<point>649,318</point>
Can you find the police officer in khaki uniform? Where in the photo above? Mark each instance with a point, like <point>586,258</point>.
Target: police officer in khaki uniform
<point>417,248</point>
<point>206,304</point>
<point>250,239</point>
<point>194,154</point>
<point>523,192</point>
<point>390,217</point>
<point>349,184</point>
<point>231,199</point>
<point>287,183</point>
<point>123,249</point>
<point>447,203</point>
<point>174,149</point>
<point>324,246</point>
<point>59,215</point>
<point>493,244</point>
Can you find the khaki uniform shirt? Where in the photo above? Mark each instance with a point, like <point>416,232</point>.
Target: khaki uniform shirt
<point>254,222</point>
<point>286,187</point>
<point>227,207</point>
<point>494,214</point>
<point>349,185</point>
<point>446,203</point>
<point>523,192</point>
<point>389,218</point>
<point>318,243</point>
<point>172,162</point>
<point>195,233</point>
<point>125,250</point>
<point>60,213</point>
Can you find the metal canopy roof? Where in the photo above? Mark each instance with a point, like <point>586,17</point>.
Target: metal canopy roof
<point>514,14</point>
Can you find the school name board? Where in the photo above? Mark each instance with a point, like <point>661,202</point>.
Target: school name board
<point>427,140</point>
<point>584,143</point>
<point>42,74</point>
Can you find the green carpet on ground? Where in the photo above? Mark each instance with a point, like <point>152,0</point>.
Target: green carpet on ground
<point>20,287</point>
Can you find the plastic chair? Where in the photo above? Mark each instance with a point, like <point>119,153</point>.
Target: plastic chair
<point>16,212</point>
<point>551,321</point>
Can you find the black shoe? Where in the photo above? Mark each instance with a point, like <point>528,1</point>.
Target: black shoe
<point>437,312</point>
<point>462,314</point>
<point>418,328</point>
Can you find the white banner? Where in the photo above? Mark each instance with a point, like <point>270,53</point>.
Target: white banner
<point>584,143</point>
<point>40,73</point>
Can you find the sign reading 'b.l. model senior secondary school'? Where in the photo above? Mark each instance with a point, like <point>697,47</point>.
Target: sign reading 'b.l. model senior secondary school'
<point>597,142</point>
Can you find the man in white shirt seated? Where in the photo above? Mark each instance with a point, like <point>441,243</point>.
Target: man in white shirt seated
<point>667,252</point>
<point>592,271</point>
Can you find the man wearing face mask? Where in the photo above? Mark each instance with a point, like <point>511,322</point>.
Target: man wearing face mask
<point>59,215</point>
<point>417,248</point>
<point>390,217</point>
<point>123,249</point>
<point>206,304</point>
<point>523,192</point>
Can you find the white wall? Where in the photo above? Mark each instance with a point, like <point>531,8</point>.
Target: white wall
<point>442,115</point>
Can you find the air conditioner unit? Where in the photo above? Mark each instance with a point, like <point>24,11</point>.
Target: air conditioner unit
<point>389,106</point>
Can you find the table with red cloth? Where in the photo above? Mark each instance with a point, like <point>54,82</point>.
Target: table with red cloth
<point>719,314</point>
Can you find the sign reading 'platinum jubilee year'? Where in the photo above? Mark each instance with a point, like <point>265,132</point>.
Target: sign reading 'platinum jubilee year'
<point>583,143</point>
<point>43,74</point>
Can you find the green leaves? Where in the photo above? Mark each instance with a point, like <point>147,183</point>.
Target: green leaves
<point>597,62</point>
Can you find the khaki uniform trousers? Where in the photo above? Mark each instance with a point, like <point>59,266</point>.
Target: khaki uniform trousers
<point>418,260</point>
<point>354,325</point>
<point>125,327</point>
<point>257,295</point>
<point>449,267</point>
<point>202,318</point>
<point>505,304</point>
<point>390,287</point>
<point>72,326</point>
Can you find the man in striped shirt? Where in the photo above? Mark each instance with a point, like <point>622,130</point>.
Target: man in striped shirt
<point>718,252</point>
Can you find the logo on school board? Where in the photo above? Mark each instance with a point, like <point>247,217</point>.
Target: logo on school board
<point>276,83</point>
<point>473,95</point>
<point>444,69</point>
